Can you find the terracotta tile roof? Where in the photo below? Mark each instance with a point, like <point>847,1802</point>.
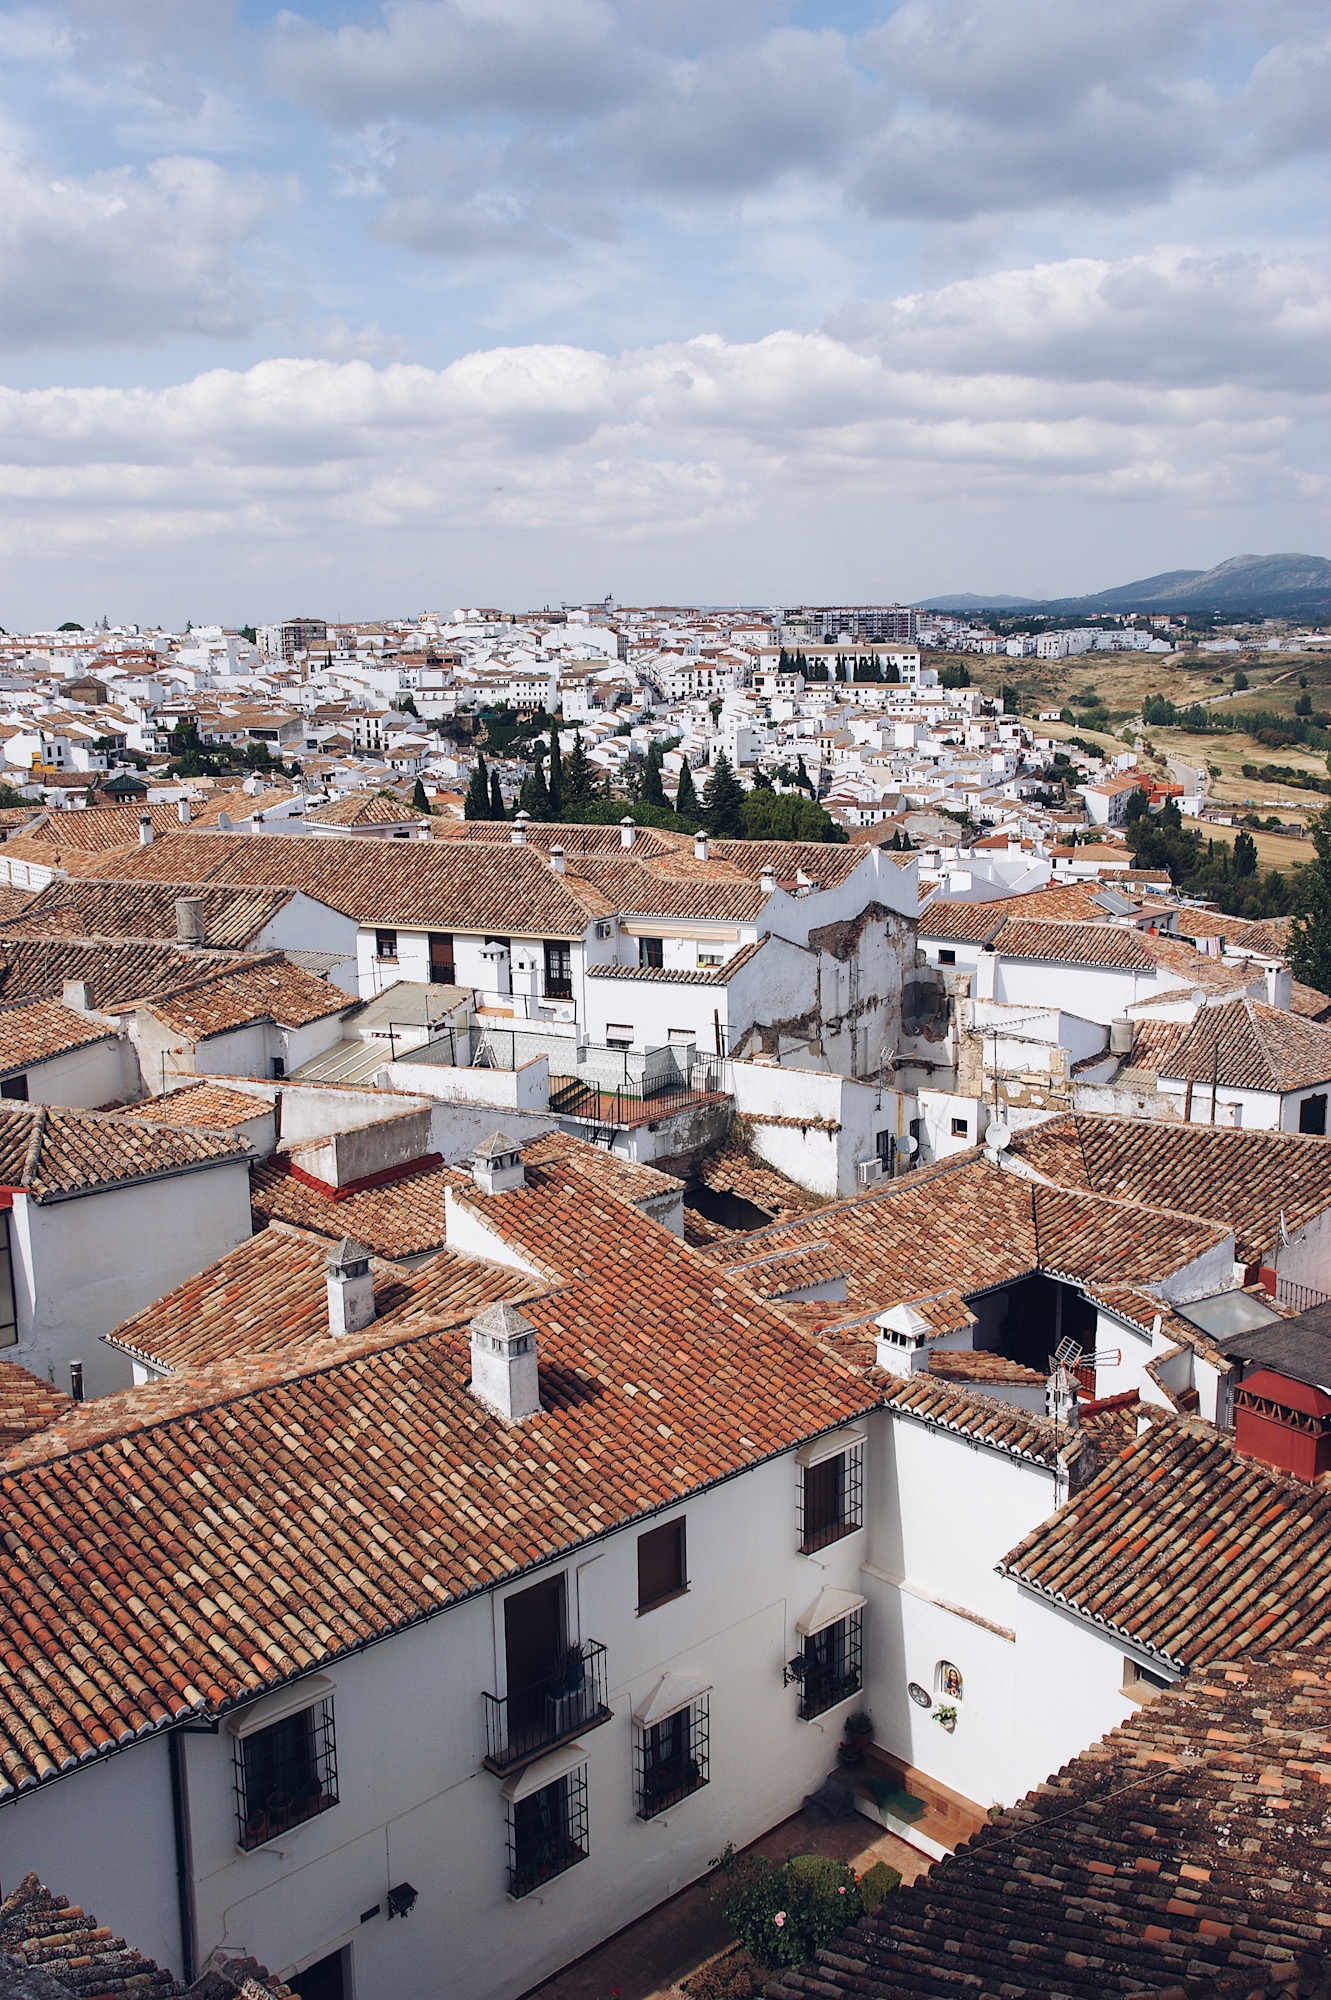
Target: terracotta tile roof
<point>35,1033</point>
<point>232,919</point>
<point>650,843</point>
<point>979,923</point>
<point>1189,1548</point>
<point>270,1296</point>
<point>670,976</point>
<point>53,1938</point>
<point>365,809</point>
<point>976,1364</point>
<point>431,885</point>
<point>269,988</point>
<point>27,1404</point>
<point>826,864</point>
<point>1269,935</point>
<point>1307,1002</point>
<point>36,968</point>
<point>98,830</point>
<point>730,1169</point>
<point>706,892</point>
<point>1076,944</point>
<point>1245,1178</point>
<point>403,1218</point>
<point>50,1152</point>
<point>948,1406</point>
<point>208,1107</point>
<point>13,902</point>
<point>1185,1854</point>
<point>969,1225</point>
<point>658,1378</point>
<point>1209,975</point>
<point>1246,1045</point>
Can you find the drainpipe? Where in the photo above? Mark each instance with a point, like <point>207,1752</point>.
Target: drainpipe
<point>189,1945</point>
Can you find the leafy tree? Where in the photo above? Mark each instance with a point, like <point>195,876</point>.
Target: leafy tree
<point>1245,855</point>
<point>1240,681</point>
<point>476,805</point>
<point>892,674</point>
<point>954,675</point>
<point>1310,935</point>
<point>769,815</point>
<point>419,802</point>
<point>250,632</point>
<point>714,709</point>
<point>1137,806</point>
<point>686,795</point>
<point>407,705</point>
<point>723,801</point>
<point>497,810</point>
<point>1304,705</point>
<point>71,625</point>
<point>554,777</point>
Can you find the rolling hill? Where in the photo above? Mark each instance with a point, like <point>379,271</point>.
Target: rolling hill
<point>1277,586</point>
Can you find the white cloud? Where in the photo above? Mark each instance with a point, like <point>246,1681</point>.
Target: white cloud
<point>126,255</point>
<point>953,388</point>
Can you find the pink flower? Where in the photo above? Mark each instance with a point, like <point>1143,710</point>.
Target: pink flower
<point>841,1891</point>
<point>779,1919</point>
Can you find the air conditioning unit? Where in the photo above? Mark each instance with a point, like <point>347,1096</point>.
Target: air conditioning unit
<point>605,927</point>
<point>868,1171</point>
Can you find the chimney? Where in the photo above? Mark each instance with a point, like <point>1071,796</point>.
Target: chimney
<point>76,1380</point>
<point>767,879</point>
<point>1060,1398</point>
<point>77,995</point>
<point>350,1288</point>
<point>1278,987</point>
<point>503,1363</point>
<point>182,811</point>
<point>497,1165</point>
<point>700,846</point>
<point>519,833</point>
<point>557,860</point>
<point>628,832</point>
<point>189,921</point>
<point>145,830</point>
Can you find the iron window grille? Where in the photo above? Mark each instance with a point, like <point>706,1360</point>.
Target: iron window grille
<point>671,1758</point>
<point>527,1721</point>
<point>832,1666</point>
<point>558,971</point>
<point>831,1498</point>
<point>547,1832</point>
<point>285,1774</point>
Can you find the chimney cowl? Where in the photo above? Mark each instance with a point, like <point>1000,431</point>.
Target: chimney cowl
<point>557,860</point>
<point>182,811</point>
<point>145,830</point>
<point>504,1364</point>
<point>628,832</point>
<point>497,1165</point>
<point>700,846</point>
<point>767,879</point>
<point>350,1288</point>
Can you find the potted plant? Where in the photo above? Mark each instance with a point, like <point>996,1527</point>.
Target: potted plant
<point>565,1692</point>
<point>256,1828</point>
<point>278,1807</point>
<point>849,1753</point>
<point>859,1727</point>
<point>945,1715</point>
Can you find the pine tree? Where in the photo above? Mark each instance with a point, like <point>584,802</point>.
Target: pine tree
<point>723,801</point>
<point>686,796</point>
<point>1310,935</point>
<point>419,802</point>
<point>533,798</point>
<point>497,810</point>
<point>802,778</point>
<point>554,777</point>
<point>653,791</point>
<point>579,778</point>
<point>476,805</point>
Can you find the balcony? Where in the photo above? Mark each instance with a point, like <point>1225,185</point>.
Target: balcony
<point>528,1721</point>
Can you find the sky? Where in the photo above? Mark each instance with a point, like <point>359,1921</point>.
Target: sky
<point>365,310</point>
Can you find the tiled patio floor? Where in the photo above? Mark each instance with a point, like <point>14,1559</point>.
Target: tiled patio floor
<point>649,1959</point>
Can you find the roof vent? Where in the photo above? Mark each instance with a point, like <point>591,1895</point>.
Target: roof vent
<point>182,811</point>
<point>700,846</point>
<point>189,921</point>
<point>557,860</point>
<point>145,830</point>
<point>350,1288</point>
<point>497,1165</point>
<point>767,879</point>
<point>519,833</point>
<point>504,1373</point>
<point>628,832</point>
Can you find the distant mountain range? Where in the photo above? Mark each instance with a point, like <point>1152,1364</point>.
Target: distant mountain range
<point>1285,586</point>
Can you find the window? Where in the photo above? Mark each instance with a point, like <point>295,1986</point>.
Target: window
<point>651,953</point>
<point>15,1086</point>
<point>385,944</point>
<point>710,957</point>
<point>831,1666</point>
<point>8,1311</point>
<point>547,1831</point>
<point>558,971</point>
<point>831,1495</point>
<point>672,1758</point>
<point>947,957</point>
<point>960,1128</point>
<point>285,1773</point>
<point>662,1568</point>
<point>441,960</point>
<point>279,1068</point>
<point>619,1034</point>
<point>1143,1683</point>
<point>1312,1114</point>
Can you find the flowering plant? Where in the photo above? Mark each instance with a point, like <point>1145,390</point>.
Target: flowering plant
<point>782,1915</point>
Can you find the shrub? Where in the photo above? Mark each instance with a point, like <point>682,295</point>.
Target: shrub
<point>782,1916</point>
<point>877,1882</point>
<point>728,1978</point>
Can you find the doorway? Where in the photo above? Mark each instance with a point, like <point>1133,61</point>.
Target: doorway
<point>326,1979</point>
<point>533,1641</point>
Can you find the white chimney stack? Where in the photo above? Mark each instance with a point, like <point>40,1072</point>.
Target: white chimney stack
<point>76,994</point>
<point>519,833</point>
<point>628,832</point>
<point>1278,993</point>
<point>145,830</point>
<point>700,846</point>
<point>767,879</point>
<point>182,811</point>
<point>350,1288</point>
<point>557,860</point>
<point>189,921</point>
<point>504,1373</point>
<point>497,1165</point>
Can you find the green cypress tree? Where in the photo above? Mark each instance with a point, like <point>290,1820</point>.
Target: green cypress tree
<point>1310,934</point>
<point>1245,855</point>
<point>533,798</point>
<point>476,805</point>
<point>419,802</point>
<point>723,801</point>
<point>579,779</point>
<point>497,808</point>
<point>653,791</point>
<point>554,777</point>
<point>686,796</point>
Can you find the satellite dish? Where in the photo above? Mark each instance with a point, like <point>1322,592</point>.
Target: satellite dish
<point>910,1144</point>
<point>998,1135</point>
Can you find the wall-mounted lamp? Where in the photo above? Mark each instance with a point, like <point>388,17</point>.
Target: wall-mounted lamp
<point>402,1900</point>
<point>794,1670</point>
